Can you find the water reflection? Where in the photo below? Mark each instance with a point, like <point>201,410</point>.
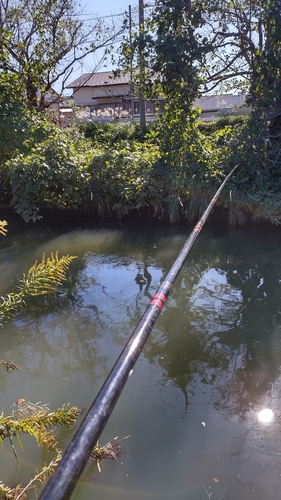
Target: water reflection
<point>223,319</point>
<point>214,356</point>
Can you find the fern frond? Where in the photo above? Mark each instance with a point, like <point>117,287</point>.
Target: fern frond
<point>41,476</point>
<point>36,420</point>
<point>41,279</point>
<point>46,276</point>
<point>3,229</point>
<point>6,492</point>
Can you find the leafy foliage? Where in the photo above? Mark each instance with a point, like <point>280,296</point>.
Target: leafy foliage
<point>119,178</point>
<point>41,40</point>
<point>112,133</point>
<point>193,48</point>
<point>36,420</point>
<point>266,86</point>
<point>53,174</point>
<point>3,229</point>
<point>42,278</point>
<point>170,171</point>
<point>19,128</point>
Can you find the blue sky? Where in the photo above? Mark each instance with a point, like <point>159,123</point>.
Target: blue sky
<point>102,8</point>
<point>107,7</point>
<point>96,9</point>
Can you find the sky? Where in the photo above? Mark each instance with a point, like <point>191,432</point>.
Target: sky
<point>107,7</point>
<point>92,10</point>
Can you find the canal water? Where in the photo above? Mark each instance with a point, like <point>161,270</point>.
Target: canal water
<point>193,407</point>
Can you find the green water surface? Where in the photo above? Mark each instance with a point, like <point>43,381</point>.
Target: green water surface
<point>212,363</point>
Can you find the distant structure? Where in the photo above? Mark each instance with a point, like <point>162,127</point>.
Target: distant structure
<point>104,97</point>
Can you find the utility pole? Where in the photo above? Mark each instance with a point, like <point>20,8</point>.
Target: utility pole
<point>131,65</point>
<point>141,65</point>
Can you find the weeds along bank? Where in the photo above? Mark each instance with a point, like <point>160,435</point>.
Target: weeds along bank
<point>111,170</point>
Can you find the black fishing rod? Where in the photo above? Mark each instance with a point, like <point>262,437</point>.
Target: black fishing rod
<point>67,473</point>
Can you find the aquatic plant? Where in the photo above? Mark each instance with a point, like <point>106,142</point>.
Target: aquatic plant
<point>36,419</point>
<point>6,492</point>
<point>3,229</point>
<point>111,450</point>
<point>19,492</point>
<point>39,479</point>
<point>42,278</point>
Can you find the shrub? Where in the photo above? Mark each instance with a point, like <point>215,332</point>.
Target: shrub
<point>112,133</point>
<point>119,179</point>
<point>54,174</point>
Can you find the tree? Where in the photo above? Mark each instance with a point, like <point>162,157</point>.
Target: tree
<point>170,48</point>
<point>266,87</point>
<point>245,41</point>
<point>173,50</point>
<point>215,46</point>
<point>41,40</point>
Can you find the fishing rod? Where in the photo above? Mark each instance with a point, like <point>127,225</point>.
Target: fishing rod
<point>69,469</point>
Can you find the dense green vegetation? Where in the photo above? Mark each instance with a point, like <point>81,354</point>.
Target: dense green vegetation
<point>110,170</point>
<point>167,170</point>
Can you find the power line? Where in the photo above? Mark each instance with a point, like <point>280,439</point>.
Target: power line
<point>108,16</point>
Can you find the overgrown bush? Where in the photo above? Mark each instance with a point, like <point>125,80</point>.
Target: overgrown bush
<point>254,190</point>
<point>114,169</point>
<point>53,174</point>
<point>20,129</point>
<point>119,179</point>
<point>112,133</point>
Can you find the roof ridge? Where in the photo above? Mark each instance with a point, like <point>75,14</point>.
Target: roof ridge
<point>100,78</point>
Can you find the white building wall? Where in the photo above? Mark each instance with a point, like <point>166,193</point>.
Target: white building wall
<point>224,101</point>
<point>85,96</point>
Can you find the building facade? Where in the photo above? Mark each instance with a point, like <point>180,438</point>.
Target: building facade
<point>108,97</point>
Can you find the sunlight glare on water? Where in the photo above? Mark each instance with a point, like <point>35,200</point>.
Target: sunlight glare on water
<point>266,416</point>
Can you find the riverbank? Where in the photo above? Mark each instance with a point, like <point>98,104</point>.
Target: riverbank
<point>119,171</point>
<point>219,215</point>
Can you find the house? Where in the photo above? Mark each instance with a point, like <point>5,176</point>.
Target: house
<point>214,106</point>
<point>108,97</point>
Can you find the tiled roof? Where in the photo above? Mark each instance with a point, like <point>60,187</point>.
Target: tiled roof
<point>102,78</point>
